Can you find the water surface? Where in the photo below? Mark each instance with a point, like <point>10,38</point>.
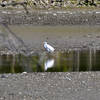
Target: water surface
<point>71,61</point>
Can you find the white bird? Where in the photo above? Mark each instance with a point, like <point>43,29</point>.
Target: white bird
<point>48,47</point>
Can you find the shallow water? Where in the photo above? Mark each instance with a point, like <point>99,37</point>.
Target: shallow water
<point>71,61</point>
<point>36,35</point>
<point>24,37</point>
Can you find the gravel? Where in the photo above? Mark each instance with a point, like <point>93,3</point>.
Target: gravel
<point>51,17</point>
<point>50,86</point>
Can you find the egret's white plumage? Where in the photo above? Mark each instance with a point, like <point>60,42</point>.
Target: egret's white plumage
<point>48,47</point>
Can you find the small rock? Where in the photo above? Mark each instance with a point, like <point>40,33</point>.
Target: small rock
<point>3,76</point>
<point>24,72</point>
<point>98,36</point>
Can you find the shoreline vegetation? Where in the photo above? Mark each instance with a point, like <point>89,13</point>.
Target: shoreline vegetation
<point>49,4</point>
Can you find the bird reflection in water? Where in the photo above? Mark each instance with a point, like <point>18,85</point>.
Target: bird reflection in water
<point>49,63</point>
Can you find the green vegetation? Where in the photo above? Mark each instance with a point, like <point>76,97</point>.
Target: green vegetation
<point>28,5</point>
<point>53,3</point>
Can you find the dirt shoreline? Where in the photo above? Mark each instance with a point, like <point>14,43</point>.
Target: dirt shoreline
<point>50,86</point>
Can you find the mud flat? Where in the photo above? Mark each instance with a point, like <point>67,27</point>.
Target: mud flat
<point>50,86</point>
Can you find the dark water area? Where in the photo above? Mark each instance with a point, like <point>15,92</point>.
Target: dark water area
<point>72,61</point>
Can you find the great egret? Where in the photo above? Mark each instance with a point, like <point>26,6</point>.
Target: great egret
<point>48,47</point>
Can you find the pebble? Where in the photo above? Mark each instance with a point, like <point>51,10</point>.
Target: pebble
<point>3,76</point>
<point>55,14</point>
<point>24,72</point>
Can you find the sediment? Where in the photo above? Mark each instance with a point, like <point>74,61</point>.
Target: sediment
<point>50,86</point>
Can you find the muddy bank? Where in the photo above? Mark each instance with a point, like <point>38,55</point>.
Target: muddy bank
<point>52,17</point>
<point>50,86</point>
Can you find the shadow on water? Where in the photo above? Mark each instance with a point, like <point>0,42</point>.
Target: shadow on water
<point>73,61</point>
